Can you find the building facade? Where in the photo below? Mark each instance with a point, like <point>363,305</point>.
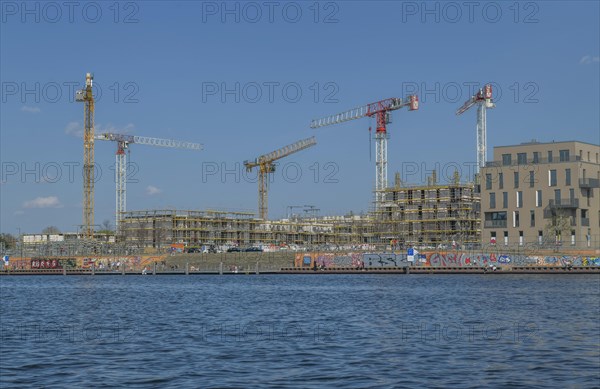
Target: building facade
<point>544,194</point>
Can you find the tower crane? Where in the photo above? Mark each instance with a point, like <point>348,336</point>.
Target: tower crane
<point>87,97</point>
<point>266,166</point>
<point>123,142</point>
<point>483,99</point>
<point>382,111</point>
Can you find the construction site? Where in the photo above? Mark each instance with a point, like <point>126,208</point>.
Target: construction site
<point>401,215</point>
<point>433,215</point>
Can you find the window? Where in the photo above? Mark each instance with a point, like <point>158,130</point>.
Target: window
<point>519,199</point>
<point>500,180</point>
<point>567,177</point>
<point>531,178</point>
<point>532,218</point>
<point>550,156</point>
<point>563,155</point>
<point>589,159</point>
<point>515,218</point>
<point>536,157</point>
<point>506,159</point>
<point>571,193</point>
<point>506,238</point>
<point>538,198</point>
<point>522,158</point>
<point>552,178</point>
<point>557,196</point>
<point>516,176</point>
<point>488,181</point>
<point>572,238</point>
<point>492,237</point>
<point>504,199</point>
<point>520,238</point>
<point>492,200</point>
<point>540,236</point>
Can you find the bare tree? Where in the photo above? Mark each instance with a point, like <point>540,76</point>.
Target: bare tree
<point>50,230</point>
<point>556,226</point>
<point>141,234</point>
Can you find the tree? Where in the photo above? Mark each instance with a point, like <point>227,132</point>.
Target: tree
<point>557,225</point>
<point>106,227</point>
<point>51,230</point>
<point>8,241</point>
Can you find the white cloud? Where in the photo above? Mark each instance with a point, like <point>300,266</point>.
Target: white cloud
<point>152,190</point>
<point>43,202</point>
<point>588,59</point>
<point>74,129</point>
<point>28,109</point>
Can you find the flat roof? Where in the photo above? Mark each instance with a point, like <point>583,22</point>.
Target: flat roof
<point>532,143</point>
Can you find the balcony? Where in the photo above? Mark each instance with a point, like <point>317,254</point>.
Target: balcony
<point>494,224</point>
<point>585,222</point>
<point>530,161</point>
<point>564,203</point>
<point>589,183</point>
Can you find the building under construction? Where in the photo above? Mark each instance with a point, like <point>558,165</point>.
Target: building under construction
<point>158,228</point>
<point>418,215</point>
<point>429,215</point>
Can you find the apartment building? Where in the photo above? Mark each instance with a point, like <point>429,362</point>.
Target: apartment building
<point>542,194</point>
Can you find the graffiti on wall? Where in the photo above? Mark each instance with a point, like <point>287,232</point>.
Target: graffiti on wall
<point>436,259</point>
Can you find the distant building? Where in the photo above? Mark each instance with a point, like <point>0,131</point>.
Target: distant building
<point>542,194</point>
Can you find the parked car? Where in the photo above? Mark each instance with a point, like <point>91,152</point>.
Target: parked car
<point>233,250</point>
<point>254,250</point>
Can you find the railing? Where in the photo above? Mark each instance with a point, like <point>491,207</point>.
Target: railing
<point>589,183</point>
<point>564,203</point>
<point>585,222</point>
<point>531,161</point>
<point>494,224</point>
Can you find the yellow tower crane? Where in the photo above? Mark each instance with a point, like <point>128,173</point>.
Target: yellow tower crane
<point>266,166</point>
<point>86,96</point>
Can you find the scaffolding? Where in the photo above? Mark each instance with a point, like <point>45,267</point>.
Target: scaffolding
<point>431,215</point>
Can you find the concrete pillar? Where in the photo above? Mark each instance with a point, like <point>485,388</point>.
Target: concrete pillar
<point>93,269</point>
<point>256,270</point>
<point>187,269</point>
<point>154,269</point>
<point>123,268</point>
<point>221,268</point>
<point>64,271</point>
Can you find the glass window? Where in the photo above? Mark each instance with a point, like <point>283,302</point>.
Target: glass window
<point>516,176</point>
<point>550,156</point>
<point>506,159</point>
<point>500,180</point>
<point>531,178</point>
<point>522,158</point>
<point>552,178</point>
<point>567,177</point>
<point>515,218</point>
<point>492,200</point>
<point>563,155</point>
<point>532,218</point>
<point>538,198</point>
<point>536,157</point>
<point>519,199</point>
<point>488,181</point>
<point>557,196</point>
<point>504,199</point>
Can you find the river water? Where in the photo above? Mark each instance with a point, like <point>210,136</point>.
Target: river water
<point>304,331</point>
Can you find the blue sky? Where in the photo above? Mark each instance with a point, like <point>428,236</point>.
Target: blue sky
<point>162,67</point>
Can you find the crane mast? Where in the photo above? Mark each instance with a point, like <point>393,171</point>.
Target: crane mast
<point>123,142</point>
<point>382,112</point>
<point>87,97</point>
<point>483,100</point>
<point>266,165</point>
